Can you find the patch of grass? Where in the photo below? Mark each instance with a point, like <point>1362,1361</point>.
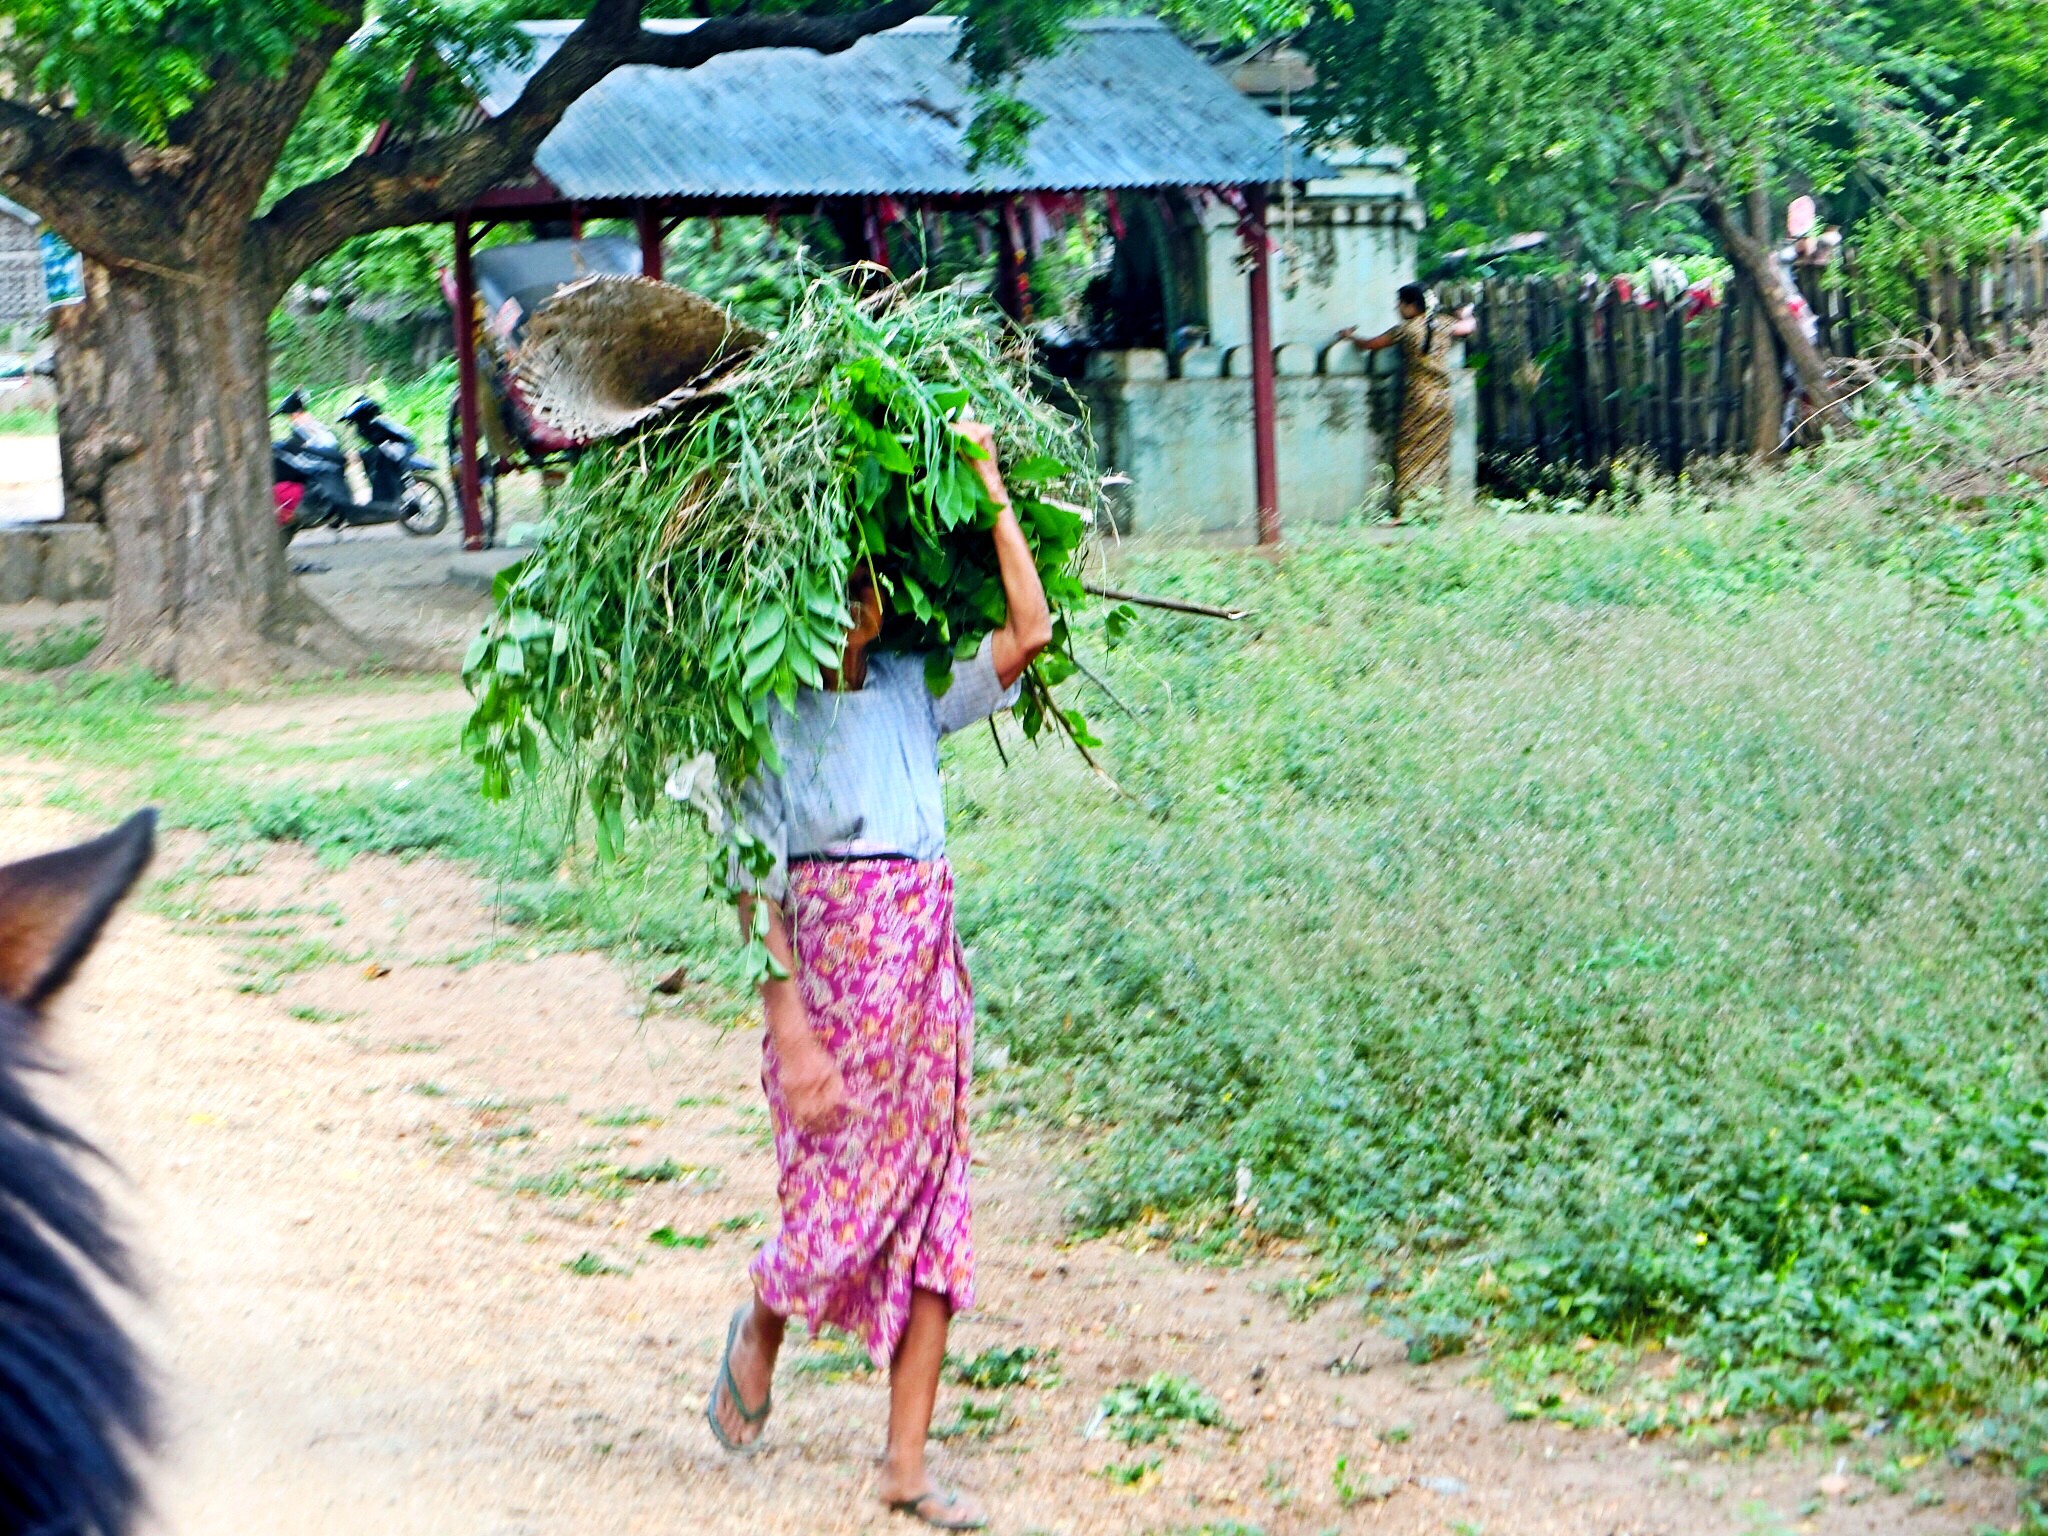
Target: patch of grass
<point>272,956</point>
<point>666,1171</point>
<point>28,421</point>
<point>421,800</point>
<point>1129,1474</point>
<point>309,1013</point>
<point>620,1118</point>
<point>393,746</point>
<point>104,719</point>
<point>47,649</point>
<point>499,1104</point>
<point>1017,1365</point>
<point>752,1127</point>
<point>598,1178</point>
<point>834,1359</point>
<point>1353,1485</point>
<point>972,1420</point>
<point>669,1237</point>
<point>1141,1413</point>
<point>588,1263</point>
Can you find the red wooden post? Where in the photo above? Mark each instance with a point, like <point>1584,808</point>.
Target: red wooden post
<point>1265,463</point>
<point>648,222</point>
<point>469,489</point>
<point>1013,284</point>
<point>878,236</point>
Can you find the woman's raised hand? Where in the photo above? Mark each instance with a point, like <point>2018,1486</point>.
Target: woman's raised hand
<point>983,436</point>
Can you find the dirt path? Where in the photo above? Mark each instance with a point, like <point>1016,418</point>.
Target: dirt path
<point>365,1197</point>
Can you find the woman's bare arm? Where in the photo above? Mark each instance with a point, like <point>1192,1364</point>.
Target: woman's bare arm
<point>1377,343</point>
<point>1028,629</point>
<point>809,1076</point>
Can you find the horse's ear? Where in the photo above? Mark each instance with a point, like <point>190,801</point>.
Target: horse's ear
<point>52,906</point>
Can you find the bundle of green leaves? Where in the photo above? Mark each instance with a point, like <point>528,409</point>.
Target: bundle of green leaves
<point>695,574</point>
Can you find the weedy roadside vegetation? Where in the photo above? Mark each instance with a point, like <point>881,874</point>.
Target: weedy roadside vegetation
<point>1635,934</point>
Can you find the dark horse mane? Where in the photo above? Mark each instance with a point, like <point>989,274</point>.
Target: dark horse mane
<point>74,1399</point>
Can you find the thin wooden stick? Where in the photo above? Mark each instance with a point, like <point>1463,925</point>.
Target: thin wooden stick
<point>1107,692</point>
<point>1170,604</point>
<point>1049,707</point>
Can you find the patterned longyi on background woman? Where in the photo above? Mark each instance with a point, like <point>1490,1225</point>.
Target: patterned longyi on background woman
<point>1428,343</point>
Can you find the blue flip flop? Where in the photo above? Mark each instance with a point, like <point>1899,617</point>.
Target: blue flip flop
<point>938,1508</point>
<point>725,1383</point>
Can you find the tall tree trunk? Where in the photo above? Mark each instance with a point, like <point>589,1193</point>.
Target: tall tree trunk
<point>89,441</point>
<point>164,387</point>
<point>1751,259</point>
<point>1764,389</point>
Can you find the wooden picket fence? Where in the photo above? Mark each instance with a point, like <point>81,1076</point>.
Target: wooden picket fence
<point>1572,375</point>
<point>1986,305</point>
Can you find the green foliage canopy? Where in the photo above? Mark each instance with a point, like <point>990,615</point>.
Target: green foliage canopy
<point>1987,54</point>
<point>134,67</point>
<point>1597,119</point>
<point>1578,115</point>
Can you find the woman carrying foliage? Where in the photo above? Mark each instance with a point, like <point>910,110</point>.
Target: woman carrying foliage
<point>870,1031</point>
<point>1422,452</point>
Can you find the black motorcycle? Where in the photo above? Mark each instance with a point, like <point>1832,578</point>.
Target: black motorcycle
<point>309,470</point>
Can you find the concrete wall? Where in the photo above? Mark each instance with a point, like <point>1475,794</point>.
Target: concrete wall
<point>1186,443</point>
<point>57,562</point>
<point>1181,427</point>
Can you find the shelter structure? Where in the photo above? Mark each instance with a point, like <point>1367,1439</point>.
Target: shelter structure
<point>876,136</point>
<point>23,292</point>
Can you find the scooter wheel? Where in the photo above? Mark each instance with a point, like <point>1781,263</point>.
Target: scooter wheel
<point>426,508</point>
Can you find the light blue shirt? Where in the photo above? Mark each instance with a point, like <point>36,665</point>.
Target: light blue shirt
<point>860,770</point>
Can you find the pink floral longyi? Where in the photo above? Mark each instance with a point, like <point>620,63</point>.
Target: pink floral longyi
<point>879,1207</point>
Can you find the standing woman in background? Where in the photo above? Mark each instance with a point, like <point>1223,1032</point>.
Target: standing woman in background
<point>1422,452</point>
<point>871,1030</point>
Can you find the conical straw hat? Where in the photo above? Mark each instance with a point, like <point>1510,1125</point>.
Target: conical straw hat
<point>607,354</point>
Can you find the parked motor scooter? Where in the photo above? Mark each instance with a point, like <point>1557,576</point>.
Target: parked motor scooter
<point>309,472</point>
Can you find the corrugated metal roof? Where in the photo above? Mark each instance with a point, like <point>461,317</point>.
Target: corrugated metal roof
<point>1126,104</point>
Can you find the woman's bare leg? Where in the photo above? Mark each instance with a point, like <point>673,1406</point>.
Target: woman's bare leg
<point>913,1392</point>
<point>753,1370</point>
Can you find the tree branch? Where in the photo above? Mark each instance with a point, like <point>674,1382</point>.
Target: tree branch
<point>238,129</point>
<point>432,181</point>
<point>1677,169</point>
<point>81,185</point>
<point>1751,260</point>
